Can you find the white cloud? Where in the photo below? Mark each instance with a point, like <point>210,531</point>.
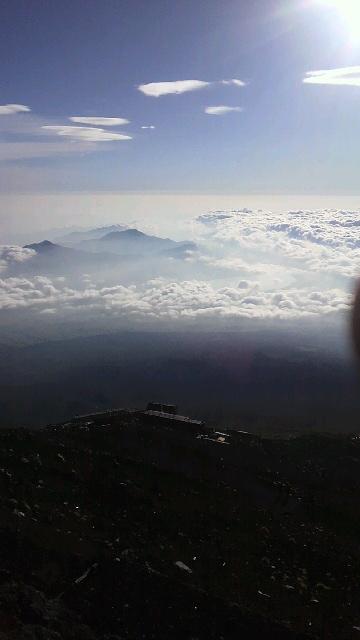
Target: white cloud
<point>156,89</point>
<point>309,244</point>
<point>86,134</point>
<point>170,300</point>
<point>249,263</point>
<point>10,109</point>
<point>99,121</point>
<point>234,263</point>
<point>346,76</point>
<point>10,254</point>
<point>221,110</point>
<point>234,81</point>
<point>19,139</point>
<point>150,126</point>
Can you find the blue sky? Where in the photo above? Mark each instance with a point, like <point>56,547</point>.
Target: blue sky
<point>88,59</point>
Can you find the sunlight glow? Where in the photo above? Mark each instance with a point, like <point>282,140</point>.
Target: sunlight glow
<point>349,11</point>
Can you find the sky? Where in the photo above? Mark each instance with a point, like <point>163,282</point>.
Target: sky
<point>230,124</point>
<point>231,97</point>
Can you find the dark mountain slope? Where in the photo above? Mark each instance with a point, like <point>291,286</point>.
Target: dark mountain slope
<point>220,376</point>
<point>115,529</point>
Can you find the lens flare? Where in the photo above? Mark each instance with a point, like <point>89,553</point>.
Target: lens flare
<point>349,12</point>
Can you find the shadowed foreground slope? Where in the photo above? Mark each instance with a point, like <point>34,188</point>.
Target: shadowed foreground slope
<point>114,528</point>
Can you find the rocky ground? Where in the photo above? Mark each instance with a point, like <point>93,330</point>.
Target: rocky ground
<point>113,529</point>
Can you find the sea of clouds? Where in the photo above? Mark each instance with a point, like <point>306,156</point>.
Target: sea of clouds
<point>249,263</point>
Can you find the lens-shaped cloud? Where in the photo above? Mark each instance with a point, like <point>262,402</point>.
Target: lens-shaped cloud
<point>11,109</point>
<point>345,76</point>
<point>222,110</point>
<point>86,134</point>
<point>99,121</point>
<point>234,81</point>
<point>157,89</point>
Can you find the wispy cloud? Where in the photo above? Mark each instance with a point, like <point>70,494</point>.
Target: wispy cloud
<point>149,126</point>
<point>88,134</point>
<point>11,109</point>
<point>221,110</point>
<point>26,150</point>
<point>99,121</point>
<point>157,89</point>
<point>346,76</point>
<point>234,81</point>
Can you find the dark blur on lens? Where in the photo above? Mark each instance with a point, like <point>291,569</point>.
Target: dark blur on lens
<point>356,321</point>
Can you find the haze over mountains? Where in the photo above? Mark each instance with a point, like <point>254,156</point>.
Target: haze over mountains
<point>134,242</point>
<point>89,234</point>
<point>233,265</point>
<point>246,316</point>
<point>179,230</point>
<point>97,249</point>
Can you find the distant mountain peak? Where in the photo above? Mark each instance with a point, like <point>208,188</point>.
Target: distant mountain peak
<point>133,232</point>
<point>90,234</point>
<point>45,245</point>
<point>123,235</point>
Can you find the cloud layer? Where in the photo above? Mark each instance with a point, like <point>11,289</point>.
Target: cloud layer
<point>161,300</point>
<point>320,242</point>
<point>248,264</point>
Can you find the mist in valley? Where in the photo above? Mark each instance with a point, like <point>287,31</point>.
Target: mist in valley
<point>245,318</point>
